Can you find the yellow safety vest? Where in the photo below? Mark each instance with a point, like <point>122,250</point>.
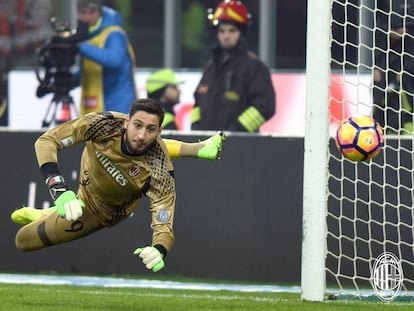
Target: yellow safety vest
<point>92,95</point>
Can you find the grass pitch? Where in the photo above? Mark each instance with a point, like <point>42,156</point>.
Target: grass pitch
<point>76,298</point>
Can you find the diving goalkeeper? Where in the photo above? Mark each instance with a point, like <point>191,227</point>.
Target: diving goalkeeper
<point>124,159</point>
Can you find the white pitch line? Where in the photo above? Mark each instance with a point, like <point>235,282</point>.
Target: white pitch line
<point>43,279</point>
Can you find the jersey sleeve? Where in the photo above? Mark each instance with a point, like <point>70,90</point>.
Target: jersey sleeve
<point>162,211</point>
<point>83,128</point>
<point>162,196</point>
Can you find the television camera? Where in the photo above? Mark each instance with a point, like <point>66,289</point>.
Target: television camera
<point>54,60</point>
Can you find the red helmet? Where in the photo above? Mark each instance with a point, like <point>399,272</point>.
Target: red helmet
<point>230,11</point>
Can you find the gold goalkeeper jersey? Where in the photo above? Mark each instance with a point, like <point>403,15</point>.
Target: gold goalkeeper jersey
<point>112,182</point>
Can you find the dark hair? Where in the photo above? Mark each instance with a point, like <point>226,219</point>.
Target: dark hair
<point>89,4</point>
<point>148,105</point>
<point>241,27</point>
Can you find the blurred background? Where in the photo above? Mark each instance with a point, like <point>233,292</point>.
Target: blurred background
<point>177,34</point>
<point>24,24</point>
<point>164,33</point>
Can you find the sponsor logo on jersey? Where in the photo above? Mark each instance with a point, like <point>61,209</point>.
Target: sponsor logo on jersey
<point>111,169</point>
<point>134,170</point>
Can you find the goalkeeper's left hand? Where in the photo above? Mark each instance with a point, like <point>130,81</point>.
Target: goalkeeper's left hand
<point>151,257</point>
<point>68,206</point>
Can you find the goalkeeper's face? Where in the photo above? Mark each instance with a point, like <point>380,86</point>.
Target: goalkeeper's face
<point>141,130</point>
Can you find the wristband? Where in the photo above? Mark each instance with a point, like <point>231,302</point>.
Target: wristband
<point>56,185</point>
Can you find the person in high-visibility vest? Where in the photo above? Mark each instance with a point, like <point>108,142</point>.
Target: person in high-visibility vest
<point>162,85</point>
<point>107,61</point>
<point>235,92</point>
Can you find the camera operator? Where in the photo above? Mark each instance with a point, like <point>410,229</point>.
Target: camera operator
<point>106,73</point>
<point>107,61</point>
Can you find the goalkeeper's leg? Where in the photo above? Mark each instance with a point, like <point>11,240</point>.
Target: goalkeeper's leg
<point>50,229</point>
<point>25,215</point>
<point>208,149</point>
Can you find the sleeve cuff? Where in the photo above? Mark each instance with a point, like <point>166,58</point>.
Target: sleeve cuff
<point>161,249</point>
<point>49,168</point>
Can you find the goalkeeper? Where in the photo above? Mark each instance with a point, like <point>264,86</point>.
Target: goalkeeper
<point>124,159</point>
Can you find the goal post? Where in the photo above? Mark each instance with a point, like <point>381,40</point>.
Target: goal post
<point>359,61</point>
<point>316,148</point>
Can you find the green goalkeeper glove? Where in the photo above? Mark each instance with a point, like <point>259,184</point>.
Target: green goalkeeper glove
<point>68,206</point>
<point>151,257</point>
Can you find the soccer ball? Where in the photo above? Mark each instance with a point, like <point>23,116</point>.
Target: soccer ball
<point>359,138</point>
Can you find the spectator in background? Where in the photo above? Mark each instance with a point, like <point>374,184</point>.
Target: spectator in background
<point>162,86</point>
<point>394,67</point>
<point>235,92</point>
<point>107,61</point>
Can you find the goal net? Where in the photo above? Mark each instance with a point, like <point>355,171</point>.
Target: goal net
<point>364,209</point>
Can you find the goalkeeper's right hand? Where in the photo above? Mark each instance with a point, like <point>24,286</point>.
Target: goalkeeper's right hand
<point>68,206</point>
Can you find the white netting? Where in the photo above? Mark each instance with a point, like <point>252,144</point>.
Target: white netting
<point>370,205</point>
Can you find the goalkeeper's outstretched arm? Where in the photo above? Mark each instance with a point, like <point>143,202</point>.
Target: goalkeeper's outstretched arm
<point>208,149</point>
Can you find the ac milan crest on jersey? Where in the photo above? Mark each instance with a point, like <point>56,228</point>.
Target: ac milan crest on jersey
<point>134,170</point>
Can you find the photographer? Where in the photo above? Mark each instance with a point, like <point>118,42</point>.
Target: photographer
<point>106,75</point>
